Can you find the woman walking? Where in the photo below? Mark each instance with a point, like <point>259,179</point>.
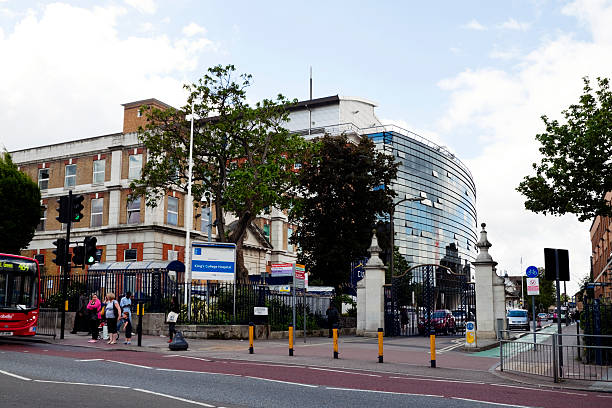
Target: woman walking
<point>112,313</point>
<point>93,308</point>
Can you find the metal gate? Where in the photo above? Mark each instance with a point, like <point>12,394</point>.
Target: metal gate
<point>412,299</point>
<point>47,322</point>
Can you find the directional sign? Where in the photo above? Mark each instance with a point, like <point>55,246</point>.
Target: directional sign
<point>299,280</point>
<point>533,286</point>
<point>281,269</point>
<point>532,272</point>
<point>470,334</point>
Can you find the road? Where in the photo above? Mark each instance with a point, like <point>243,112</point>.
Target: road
<point>49,375</point>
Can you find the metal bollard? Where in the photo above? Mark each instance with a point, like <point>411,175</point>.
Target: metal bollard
<point>432,348</point>
<point>291,339</point>
<point>251,335</point>
<point>380,345</point>
<point>335,331</point>
<point>140,313</point>
<point>66,306</point>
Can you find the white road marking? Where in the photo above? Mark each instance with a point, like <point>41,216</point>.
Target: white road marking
<point>173,355</point>
<point>196,372</point>
<point>175,398</point>
<point>129,364</point>
<point>264,364</point>
<point>15,375</point>
<point>91,359</point>
<point>384,392</point>
<point>283,382</point>
<point>430,379</point>
<point>539,389</point>
<point>492,403</point>
<point>195,358</point>
<point>79,383</point>
<point>343,372</point>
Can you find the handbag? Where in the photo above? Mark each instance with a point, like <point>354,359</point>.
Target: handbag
<point>172,317</point>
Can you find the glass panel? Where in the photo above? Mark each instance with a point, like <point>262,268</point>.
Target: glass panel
<point>98,171</point>
<point>135,166</point>
<point>133,210</point>
<point>70,179</point>
<point>172,210</point>
<point>43,179</point>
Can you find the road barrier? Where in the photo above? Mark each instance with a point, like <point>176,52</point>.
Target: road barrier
<point>47,322</point>
<point>380,345</point>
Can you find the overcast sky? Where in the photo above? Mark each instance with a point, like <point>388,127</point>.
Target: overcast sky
<point>473,75</point>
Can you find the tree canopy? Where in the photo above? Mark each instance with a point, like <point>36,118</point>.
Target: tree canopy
<point>19,206</point>
<point>243,154</point>
<point>344,188</point>
<point>576,168</point>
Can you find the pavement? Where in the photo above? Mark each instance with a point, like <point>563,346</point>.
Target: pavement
<point>402,355</point>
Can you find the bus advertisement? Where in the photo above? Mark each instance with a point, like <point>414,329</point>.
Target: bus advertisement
<point>19,295</point>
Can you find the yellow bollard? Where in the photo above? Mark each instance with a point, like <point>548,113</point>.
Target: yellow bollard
<point>137,309</point>
<point>335,331</point>
<point>66,306</point>
<point>432,349</point>
<point>251,335</point>
<point>380,345</point>
<point>290,339</point>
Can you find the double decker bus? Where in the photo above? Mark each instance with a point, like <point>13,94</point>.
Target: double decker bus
<point>19,295</point>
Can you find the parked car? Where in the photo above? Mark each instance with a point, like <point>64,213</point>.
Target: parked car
<point>517,319</point>
<point>543,316</point>
<point>442,321</point>
<point>460,319</point>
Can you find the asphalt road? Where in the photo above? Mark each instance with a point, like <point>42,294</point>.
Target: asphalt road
<point>84,377</point>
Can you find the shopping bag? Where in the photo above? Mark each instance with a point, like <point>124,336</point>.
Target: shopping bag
<point>105,332</point>
<point>172,317</point>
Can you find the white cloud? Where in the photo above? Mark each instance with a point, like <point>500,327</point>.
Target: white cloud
<point>60,86</point>
<point>505,54</point>
<point>501,110</point>
<point>193,29</point>
<point>512,24</point>
<point>474,25</point>
<point>144,6</point>
<point>146,27</point>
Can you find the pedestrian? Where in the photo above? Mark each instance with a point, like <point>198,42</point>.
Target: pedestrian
<point>171,320</point>
<point>404,320</point>
<point>112,313</point>
<point>93,308</point>
<point>126,306</point>
<point>81,322</point>
<point>332,318</point>
<point>127,327</point>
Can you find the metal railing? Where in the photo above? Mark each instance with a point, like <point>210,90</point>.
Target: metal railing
<point>559,356</point>
<point>47,322</point>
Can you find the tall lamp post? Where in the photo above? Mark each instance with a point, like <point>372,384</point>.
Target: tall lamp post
<point>189,221</point>
<point>392,240</point>
<point>208,196</point>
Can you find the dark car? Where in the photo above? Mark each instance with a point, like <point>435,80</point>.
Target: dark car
<point>442,321</point>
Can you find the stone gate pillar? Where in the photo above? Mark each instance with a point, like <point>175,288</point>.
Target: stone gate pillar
<point>370,294</point>
<point>490,294</point>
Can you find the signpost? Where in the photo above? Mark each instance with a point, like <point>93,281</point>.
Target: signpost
<point>533,289</point>
<point>299,282</point>
<point>470,334</point>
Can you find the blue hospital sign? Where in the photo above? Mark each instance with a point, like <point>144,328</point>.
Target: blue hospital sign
<point>213,261</point>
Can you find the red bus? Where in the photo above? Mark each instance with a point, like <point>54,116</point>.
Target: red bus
<point>19,295</point>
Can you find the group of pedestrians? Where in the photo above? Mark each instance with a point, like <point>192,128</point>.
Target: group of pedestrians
<point>118,316</point>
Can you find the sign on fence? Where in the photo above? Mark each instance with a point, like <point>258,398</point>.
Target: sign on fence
<point>213,261</point>
<point>260,311</point>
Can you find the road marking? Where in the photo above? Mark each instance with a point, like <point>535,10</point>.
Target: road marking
<point>283,382</point>
<point>173,355</point>
<point>343,372</point>
<point>195,358</point>
<point>15,375</point>
<point>539,389</point>
<point>175,398</point>
<point>430,379</point>
<point>79,383</point>
<point>492,403</point>
<point>605,396</point>
<point>91,359</point>
<point>263,364</point>
<point>196,372</point>
<point>384,392</point>
<point>129,364</point>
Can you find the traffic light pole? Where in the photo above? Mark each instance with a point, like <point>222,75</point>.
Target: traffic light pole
<point>66,268</point>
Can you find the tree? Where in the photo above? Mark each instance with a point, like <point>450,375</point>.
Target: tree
<point>344,188</point>
<point>19,207</point>
<point>576,169</point>
<point>241,153</point>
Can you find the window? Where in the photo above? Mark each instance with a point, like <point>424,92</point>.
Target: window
<point>99,167</point>
<point>172,217</point>
<point>70,177</point>
<point>130,255</point>
<point>266,231</point>
<point>139,113</point>
<point>133,211</point>
<point>43,179</point>
<point>135,166</point>
<point>289,244</point>
<point>43,220</point>
<point>97,208</point>
<point>40,258</point>
<point>172,255</point>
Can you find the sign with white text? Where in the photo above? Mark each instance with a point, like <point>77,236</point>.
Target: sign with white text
<point>281,269</point>
<point>213,261</point>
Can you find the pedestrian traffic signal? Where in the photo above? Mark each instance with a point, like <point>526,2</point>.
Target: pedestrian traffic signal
<point>59,252</point>
<point>78,256</point>
<point>63,209</point>
<point>89,243</point>
<point>77,207</point>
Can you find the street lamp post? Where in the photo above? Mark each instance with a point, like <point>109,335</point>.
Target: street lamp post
<point>189,221</point>
<point>208,196</point>
<point>392,240</point>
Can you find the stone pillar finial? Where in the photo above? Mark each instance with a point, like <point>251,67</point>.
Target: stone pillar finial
<point>374,251</point>
<point>483,246</point>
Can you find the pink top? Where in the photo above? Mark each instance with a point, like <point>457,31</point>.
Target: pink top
<point>97,305</point>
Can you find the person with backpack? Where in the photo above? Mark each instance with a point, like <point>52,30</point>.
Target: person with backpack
<point>112,313</point>
<point>93,309</point>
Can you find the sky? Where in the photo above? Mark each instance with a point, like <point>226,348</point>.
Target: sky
<point>474,76</point>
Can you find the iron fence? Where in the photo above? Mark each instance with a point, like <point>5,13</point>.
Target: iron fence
<point>47,322</point>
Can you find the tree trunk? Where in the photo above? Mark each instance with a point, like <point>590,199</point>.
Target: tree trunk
<point>238,236</point>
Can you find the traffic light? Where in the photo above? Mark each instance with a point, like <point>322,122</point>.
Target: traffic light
<point>77,207</point>
<point>63,209</point>
<point>60,252</point>
<point>78,255</point>
<point>89,243</point>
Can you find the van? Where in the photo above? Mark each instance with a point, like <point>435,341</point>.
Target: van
<point>518,319</point>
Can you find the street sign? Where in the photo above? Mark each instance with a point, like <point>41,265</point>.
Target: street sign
<point>284,289</point>
<point>532,272</point>
<point>533,286</point>
<point>299,280</point>
<point>470,334</point>
<point>213,261</point>
<point>260,311</point>
<point>281,269</point>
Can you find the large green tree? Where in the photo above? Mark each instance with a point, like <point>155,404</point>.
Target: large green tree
<point>343,193</point>
<point>243,154</point>
<point>576,168</point>
<point>19,206</point>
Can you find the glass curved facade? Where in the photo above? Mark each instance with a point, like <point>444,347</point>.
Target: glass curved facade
<point>440,229</point>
